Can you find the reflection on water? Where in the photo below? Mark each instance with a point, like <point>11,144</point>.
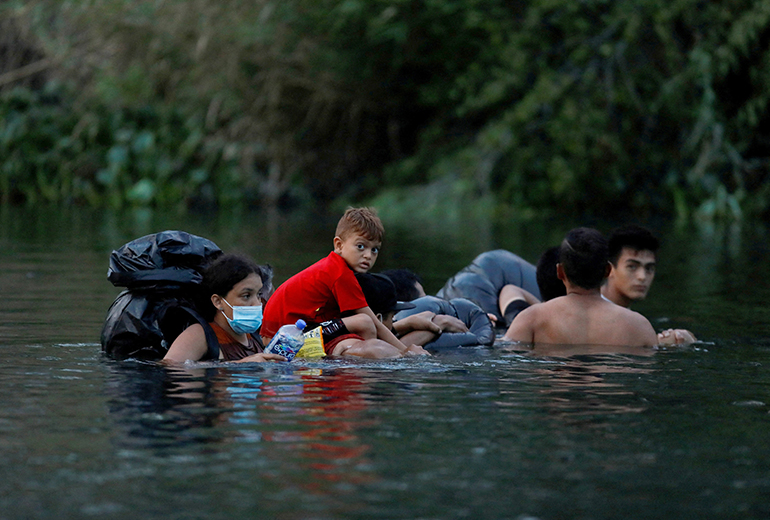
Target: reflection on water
<point>477,433</point>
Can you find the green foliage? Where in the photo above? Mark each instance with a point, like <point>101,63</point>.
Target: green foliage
<point>591,106</point>
<point>615,105</point>
<point>55,152</point>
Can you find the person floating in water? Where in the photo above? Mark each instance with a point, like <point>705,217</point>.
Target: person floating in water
<point>582,316</point>
<point>435,323</point>
<point>327,294</point>
<point>499,281</point>
<point>632,254</point>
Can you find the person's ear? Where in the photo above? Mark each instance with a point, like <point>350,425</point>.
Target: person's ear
<point>337,245</point>
<point>216,300</point>
<point>379,316</point>
<point>560,273</point>
<point>608,270</point>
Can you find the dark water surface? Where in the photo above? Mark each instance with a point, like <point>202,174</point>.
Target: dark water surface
<point>483,433</point>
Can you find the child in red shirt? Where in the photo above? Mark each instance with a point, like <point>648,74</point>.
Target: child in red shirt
<point>328,294</point>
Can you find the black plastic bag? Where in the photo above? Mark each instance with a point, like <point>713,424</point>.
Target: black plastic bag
<point>162,273</point>
<point>168,257</point>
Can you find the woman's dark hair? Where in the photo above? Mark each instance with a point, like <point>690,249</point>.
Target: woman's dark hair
<point>229,269</point>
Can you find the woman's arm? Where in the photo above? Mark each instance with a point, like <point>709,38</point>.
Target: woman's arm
<point>189,345</point>
<point>260,358</point>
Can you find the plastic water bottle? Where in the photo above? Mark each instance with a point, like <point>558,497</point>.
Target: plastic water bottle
<point>288,340</point>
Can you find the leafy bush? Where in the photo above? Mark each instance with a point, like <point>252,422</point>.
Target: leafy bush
<point>599,105</point>
<point>55,151</point>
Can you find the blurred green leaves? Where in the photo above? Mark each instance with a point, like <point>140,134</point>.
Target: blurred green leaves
<point>546,105</point>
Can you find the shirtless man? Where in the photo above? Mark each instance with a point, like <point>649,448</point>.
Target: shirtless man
<point>583,316</point>
<point>632,251</point>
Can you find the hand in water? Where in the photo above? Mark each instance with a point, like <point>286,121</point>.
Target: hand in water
<point>676,337</point>
<point>261,358</point>
<point>449,323</point>
<point>416,350</point>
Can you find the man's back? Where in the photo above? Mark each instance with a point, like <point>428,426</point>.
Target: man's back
<point>581,319</point>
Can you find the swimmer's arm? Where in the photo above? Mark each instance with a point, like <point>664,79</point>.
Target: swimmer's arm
<point>386,335</point>
<point>450,323</point>
<point>260,358</point>
<point>422,321</point>
<point>189,345</point>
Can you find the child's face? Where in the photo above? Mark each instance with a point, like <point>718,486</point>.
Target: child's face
<point>359,252</point>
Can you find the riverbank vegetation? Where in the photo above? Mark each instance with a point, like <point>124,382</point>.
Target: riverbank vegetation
<point>654,106</point>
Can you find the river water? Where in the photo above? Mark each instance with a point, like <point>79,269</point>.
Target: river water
<point>480,434</point>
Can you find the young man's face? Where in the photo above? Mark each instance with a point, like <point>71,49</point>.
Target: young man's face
<point>633,274</point>
<point>359,252</point>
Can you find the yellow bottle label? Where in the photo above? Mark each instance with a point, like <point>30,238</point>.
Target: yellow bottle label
<point>314,345</point>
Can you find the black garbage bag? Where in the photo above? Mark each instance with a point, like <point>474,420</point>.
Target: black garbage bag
<point>481,332</point>
<point>162,273</point>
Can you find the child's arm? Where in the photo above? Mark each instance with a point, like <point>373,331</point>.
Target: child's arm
<point>386,335</point>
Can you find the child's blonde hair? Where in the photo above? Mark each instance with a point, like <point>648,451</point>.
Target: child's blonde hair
<point>363,221</point>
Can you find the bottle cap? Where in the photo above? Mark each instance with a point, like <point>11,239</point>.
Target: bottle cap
<point>301,324</point>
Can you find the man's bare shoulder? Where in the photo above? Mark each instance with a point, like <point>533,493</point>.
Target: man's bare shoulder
<point>531,319</point>
<point>626,313</point>
<point>637,324</point>
<point>542,311</point>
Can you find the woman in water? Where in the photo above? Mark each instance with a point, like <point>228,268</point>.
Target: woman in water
<point>235,284</point>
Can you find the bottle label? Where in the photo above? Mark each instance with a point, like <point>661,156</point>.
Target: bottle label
<point>314,345</point>
<point>285,345</point>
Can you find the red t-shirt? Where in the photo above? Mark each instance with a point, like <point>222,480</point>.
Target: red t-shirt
<point>322,292</point>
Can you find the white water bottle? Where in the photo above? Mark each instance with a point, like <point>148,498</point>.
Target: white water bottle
<point>288,340</point>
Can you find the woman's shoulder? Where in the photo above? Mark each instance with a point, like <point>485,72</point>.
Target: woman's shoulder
<point>189,345</point>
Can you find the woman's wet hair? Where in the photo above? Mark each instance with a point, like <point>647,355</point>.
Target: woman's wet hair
<point>229,269</point>
<point>584,257</point>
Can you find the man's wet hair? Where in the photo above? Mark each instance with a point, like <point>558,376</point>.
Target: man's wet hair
<point>547,281</point>
<point>633,237</point>
<point>404,280</point>
<point>363,221</point>
<point>583,255</point>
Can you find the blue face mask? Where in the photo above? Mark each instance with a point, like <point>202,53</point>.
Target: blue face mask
<point>246,318</point>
